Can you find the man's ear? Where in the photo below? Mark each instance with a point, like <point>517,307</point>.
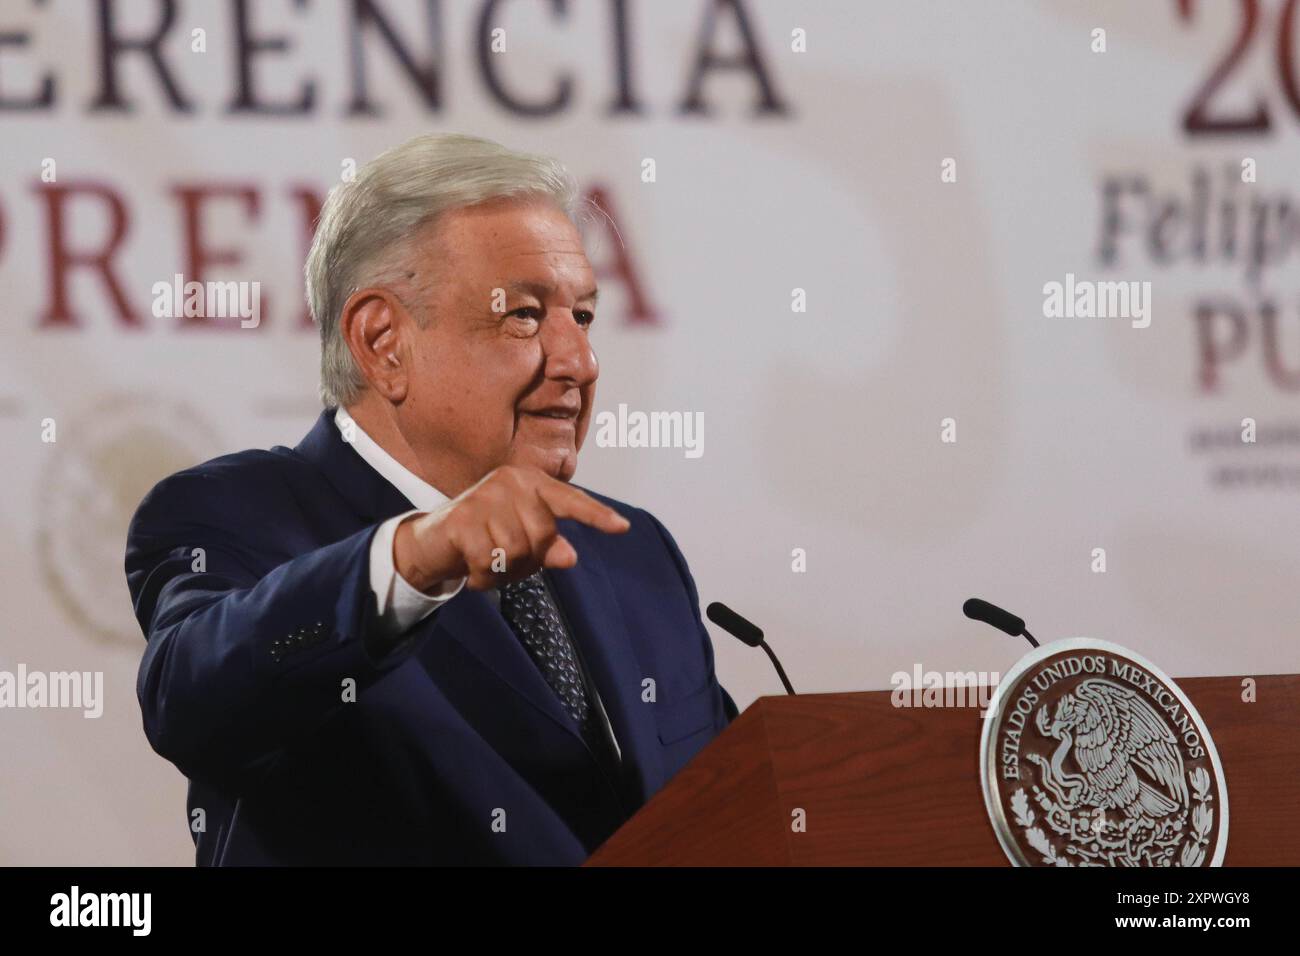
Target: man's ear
<point>376,328</point>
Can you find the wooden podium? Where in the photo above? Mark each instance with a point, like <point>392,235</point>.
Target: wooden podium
<point>889,786</point>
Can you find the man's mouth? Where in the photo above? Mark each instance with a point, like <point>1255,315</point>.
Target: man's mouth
<point>557,413</point>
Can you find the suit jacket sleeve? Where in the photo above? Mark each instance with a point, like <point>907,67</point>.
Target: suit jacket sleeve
<point>727,706</point>
<point>249,646</point>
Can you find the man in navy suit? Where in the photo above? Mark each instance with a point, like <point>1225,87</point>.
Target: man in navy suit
<point>409,639</point>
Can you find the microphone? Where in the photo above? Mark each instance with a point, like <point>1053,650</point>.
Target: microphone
<point>978,610</point>
<point>747,633</point>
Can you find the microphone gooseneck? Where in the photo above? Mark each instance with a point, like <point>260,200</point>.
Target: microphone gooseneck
<point>747,633</point>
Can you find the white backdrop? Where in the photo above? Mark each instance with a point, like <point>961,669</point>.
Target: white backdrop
<point>822,427</point>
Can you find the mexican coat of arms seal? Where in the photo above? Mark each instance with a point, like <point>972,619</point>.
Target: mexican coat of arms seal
<point>1092,757</point>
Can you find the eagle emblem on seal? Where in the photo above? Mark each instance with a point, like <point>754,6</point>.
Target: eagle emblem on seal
<point>1127,757</point>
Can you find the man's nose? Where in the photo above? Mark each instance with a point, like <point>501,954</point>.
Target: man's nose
<point>568,350</point>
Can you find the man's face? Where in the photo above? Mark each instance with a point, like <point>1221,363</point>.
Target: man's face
<point>503,373</point>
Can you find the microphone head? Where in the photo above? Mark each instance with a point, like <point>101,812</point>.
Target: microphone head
<point>978,610</point>
<point>734,624</point>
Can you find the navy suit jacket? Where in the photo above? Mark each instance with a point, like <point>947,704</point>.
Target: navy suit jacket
<point>250,579</point>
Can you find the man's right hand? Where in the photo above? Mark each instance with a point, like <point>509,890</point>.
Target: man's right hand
<point>513,509</point>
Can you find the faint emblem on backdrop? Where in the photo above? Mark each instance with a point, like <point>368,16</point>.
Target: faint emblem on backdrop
<point>1093,757</point>
<point>104,462</point>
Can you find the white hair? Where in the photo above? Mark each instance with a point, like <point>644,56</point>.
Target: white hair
<point>367,225</point>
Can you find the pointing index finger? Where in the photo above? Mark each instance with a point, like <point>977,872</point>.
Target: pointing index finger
<point>566,501</point>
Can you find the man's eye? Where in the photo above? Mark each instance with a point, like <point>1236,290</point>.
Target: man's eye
<point>584,317</point>
<point>527,312</point>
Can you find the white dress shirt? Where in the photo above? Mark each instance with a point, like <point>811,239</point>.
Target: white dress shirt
<point>400,604</point>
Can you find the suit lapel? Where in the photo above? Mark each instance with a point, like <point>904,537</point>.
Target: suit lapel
<point>369,492</point>
<point>472,620</point>
<point>590,604</point>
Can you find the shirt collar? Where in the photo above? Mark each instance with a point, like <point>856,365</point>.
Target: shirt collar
<point>419,492</point>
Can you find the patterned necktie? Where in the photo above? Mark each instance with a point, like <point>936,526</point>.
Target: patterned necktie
<point>531,613</point>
